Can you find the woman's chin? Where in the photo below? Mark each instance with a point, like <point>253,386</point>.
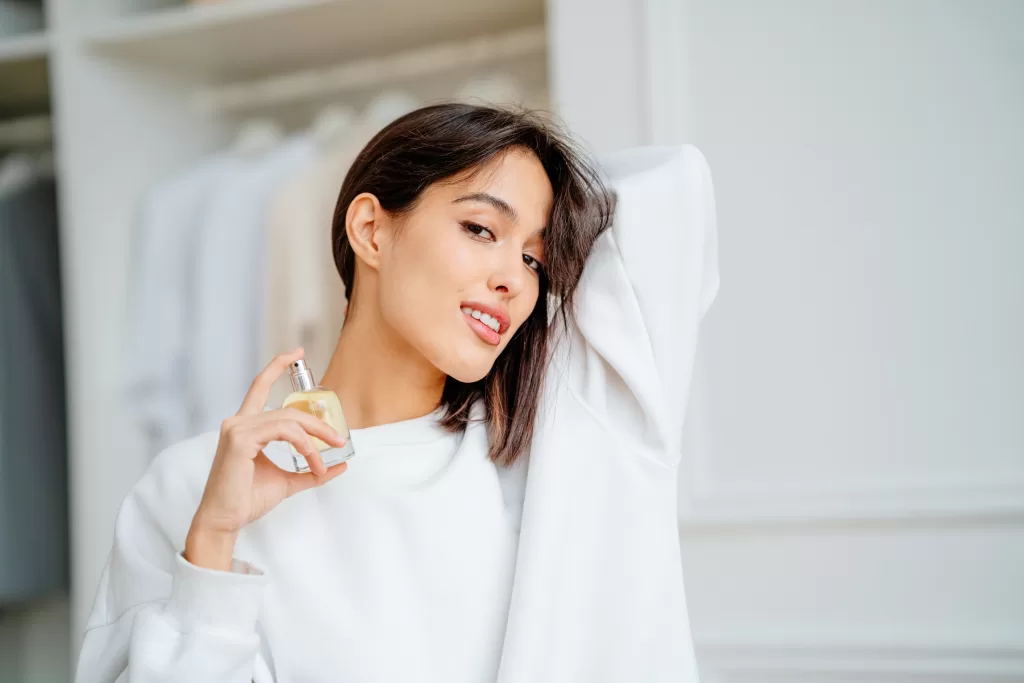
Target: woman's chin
<point>469,375</point>
<point>469,367</point>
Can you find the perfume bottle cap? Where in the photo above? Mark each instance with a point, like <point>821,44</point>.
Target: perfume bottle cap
<point>302,378</point>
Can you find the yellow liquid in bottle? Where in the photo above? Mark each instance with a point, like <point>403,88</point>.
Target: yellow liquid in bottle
<point>323,404</point>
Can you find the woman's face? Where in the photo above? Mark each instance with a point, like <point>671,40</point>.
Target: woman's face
<point>460,273</point>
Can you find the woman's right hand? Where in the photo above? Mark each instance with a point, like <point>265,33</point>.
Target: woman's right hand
<point>244,484</point>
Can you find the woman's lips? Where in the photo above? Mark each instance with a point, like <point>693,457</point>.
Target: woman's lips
<point>482,330</point>
<point>494,314</point>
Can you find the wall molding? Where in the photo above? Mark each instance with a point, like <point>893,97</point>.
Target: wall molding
<point>706,501</point>
<point>727,661</point>
<point>707,498</point>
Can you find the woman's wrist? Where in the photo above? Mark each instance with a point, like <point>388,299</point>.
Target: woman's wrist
<point>210,548</point>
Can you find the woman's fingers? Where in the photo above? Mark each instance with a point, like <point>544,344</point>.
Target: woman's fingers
<point>313,425</point>
<point>315,462</point>
<point>265,431</point>
<point>259,390</point>
<point>248,435</point>
<point>296,482</point>
<point>300,481</point>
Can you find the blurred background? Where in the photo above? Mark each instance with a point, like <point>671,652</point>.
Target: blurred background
<point>852,492</point>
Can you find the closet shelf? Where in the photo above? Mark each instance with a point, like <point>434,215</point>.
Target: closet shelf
<point>244,38</point>
<point>23,48</point>
<point>24,76</point>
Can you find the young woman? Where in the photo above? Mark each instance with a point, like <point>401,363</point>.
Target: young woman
<point>510,513</point>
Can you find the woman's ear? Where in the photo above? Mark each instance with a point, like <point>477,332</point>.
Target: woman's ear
<point>365,224</point>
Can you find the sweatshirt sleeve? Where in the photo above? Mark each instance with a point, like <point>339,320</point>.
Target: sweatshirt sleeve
<point>158,618</point>
<point>648,283</point>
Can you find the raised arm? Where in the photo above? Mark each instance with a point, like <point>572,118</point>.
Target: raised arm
<point>646,287</point>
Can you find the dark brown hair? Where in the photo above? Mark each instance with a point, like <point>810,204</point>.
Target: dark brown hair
<point>435,143</point>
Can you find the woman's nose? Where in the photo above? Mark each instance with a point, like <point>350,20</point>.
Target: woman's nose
<point>508,276</point>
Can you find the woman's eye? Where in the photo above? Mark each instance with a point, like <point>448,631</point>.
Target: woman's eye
<point>478,230</point>
<point>532,262</point>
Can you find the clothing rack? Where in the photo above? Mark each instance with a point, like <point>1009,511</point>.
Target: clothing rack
<point>373,71</point>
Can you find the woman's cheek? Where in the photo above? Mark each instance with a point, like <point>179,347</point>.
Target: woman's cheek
<point>460,264</point>
<point>519,311</point>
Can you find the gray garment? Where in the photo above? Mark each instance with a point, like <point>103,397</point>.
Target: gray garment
<point>33,446</point>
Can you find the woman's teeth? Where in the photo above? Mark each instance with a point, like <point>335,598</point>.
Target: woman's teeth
<point>484,318</point>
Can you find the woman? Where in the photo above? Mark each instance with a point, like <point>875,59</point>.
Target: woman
<point>432,556</point>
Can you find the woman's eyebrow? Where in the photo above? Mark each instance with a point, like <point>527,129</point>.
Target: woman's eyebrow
<point>499,204</point>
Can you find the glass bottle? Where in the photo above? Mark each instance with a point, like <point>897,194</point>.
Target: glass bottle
<point>310,397</point>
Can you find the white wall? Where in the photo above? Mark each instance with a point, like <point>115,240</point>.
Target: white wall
<point>853,492</point>
<point>596,56</point>
<point>869,165</point>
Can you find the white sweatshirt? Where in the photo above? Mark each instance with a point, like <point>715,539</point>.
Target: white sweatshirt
<point>409,567</point>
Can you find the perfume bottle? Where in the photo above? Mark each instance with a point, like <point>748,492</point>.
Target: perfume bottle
<point>310,397</point>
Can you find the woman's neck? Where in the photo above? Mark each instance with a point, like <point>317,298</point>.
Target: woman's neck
<point>379,378</point>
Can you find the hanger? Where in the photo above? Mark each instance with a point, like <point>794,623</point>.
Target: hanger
<point>331,124</point>
<point>257,137</point>
<point>388,106</point>
<point>497,88</point>
<point>17,171</point>
<point>31,138</point>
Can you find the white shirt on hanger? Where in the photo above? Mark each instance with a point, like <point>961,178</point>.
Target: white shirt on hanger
<point>306,299</point>
<point>230,281</point>
<point>161,299</point>
<point>305,302</point>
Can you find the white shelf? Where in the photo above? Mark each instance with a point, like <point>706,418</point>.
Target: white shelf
<point>23,48</point>
<point>24,77</point>
<point>245,38</point>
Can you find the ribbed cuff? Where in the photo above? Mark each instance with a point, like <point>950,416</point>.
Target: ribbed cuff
<point>223,600</point>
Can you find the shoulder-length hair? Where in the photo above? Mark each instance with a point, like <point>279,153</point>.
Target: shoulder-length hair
<point>438,142</point>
